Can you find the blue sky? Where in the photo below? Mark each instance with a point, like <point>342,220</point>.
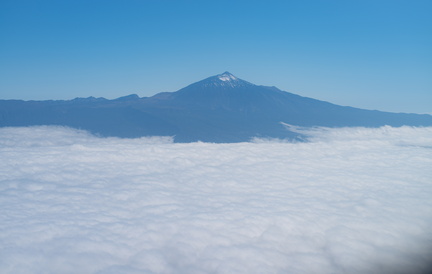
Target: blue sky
<point>368,54</point>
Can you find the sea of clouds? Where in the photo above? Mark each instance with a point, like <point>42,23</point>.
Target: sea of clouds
<point>350,200</point>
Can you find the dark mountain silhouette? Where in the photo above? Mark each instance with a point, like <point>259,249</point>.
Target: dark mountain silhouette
<point>221,108</point>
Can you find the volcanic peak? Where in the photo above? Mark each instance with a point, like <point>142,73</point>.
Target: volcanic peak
<point>226,76</point>
<point>224,80</point>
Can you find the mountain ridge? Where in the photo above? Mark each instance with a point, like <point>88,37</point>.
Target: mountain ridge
<point>220,108</point>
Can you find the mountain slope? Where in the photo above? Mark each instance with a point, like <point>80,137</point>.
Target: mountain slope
<point>221,108</point>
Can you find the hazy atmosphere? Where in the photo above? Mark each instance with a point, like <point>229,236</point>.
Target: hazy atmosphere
<point>368,54</point>
<point>232,137</point>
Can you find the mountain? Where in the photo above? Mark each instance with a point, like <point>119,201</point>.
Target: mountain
<point>221,108</point>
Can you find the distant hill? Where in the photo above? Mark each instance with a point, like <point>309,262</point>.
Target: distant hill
<point>221,108</point>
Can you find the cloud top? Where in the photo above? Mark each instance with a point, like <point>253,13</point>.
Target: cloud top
<point>351,200</point>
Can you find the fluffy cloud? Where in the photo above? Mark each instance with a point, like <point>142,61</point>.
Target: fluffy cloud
<point>350,200</point>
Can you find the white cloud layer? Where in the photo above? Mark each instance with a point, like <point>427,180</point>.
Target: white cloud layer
<point>349,201</point>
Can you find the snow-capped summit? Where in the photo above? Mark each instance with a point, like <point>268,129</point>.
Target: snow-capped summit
<point>226,76</point>
<point>224,80</point>
<point>217,86</point>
